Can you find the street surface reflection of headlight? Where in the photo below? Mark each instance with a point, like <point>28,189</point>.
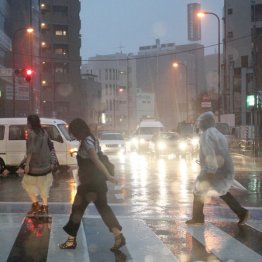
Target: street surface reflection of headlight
<point>161,145</point>
<point>182,145</point>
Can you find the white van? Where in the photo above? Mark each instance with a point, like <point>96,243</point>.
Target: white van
<point>145,130</point>
<point>13,134</point>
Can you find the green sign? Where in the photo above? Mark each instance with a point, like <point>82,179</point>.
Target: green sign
<point>250,100</point>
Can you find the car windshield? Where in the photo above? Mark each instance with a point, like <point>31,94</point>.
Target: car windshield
<point>168,136</point>
<point>64,129</point>
<point>186,130</point>
<point>111,137</point>
<point>149,130</point>
<point>223,128</point>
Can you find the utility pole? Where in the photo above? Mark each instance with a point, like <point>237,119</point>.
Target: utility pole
<point>255,90</point>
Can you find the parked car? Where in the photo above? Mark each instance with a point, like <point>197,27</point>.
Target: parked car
<point>112,142</point>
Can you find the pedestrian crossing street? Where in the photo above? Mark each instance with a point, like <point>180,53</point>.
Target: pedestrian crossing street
<point>149,238</point>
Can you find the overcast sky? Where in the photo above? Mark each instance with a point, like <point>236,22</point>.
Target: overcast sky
<point>107,25</point>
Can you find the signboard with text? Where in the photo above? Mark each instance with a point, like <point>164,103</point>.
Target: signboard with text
<point>6,72</point>
<point>22,93</point>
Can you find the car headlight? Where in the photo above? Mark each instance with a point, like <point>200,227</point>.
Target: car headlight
<point>182,145</point>
<point>134,141</point>
<point>142,141</point>
<point>195,141</point>
<point>73,152</point>
<point>103,147</point>
<point>161,145</point>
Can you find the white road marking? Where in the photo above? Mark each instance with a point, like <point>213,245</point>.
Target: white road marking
<point>9,229</point>
<point>143,244</point>
<point>119,196</point>
<point>221,244</point>
<point>58,236</point>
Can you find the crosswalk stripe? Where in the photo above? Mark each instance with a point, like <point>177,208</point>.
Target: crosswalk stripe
<point>31,243</point>
<point>256,225</point>
<point>219,238</point>
<point>221,244</point>
<point>245,234</point>
<point>58,236</point>
<point>143,244</point>
<point>9,228</point>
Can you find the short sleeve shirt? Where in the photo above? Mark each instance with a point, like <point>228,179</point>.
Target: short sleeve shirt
<point>85,145</point>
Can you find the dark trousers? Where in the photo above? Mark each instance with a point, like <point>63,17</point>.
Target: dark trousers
<point>198,206</point>
<point>82,199</point>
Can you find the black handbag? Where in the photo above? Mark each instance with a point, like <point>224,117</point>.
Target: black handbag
<point>105,160</point>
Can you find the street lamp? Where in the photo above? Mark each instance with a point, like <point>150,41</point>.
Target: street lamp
<point>176,65</point>
<point>200,15</point>
<point>29,30</point>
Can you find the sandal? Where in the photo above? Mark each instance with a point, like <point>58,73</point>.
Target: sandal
<point>69,244</point>
<point>119,242</point>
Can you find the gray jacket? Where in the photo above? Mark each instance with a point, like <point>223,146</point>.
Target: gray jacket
<point>37,145</point>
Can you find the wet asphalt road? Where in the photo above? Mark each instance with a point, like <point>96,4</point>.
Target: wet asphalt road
<point>149,182</point>
<point>156,195</point>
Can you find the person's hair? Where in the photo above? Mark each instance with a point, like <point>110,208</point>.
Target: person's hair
<point>34,121</point>
<point>79,129</point>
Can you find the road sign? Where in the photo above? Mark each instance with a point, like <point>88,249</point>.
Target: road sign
<point>206,98</point>
<point>206,104</point>
<point>6,72</point>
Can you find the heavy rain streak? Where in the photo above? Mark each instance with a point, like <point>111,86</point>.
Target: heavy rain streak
<point>130,131</point>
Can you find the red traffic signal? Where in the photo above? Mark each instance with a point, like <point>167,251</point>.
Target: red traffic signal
<point>28,72</point>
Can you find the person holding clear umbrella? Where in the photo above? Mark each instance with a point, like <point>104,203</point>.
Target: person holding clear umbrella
<point>217,172</point>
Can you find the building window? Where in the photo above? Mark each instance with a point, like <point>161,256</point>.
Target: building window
<point>230,11</point>
<point>244,61</point>
<point>60,10</point>
<point>62,68</point>
<point>114,74</point>
<point>60,30</point>
<point>61,50</point>
<point>110,74</point>
<point>106,77</point>
<point>256,12</point>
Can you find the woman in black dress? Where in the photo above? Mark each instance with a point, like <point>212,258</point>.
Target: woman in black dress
<point>92,187</point>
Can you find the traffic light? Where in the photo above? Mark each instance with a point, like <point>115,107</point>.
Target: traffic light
<point>28,72</point>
